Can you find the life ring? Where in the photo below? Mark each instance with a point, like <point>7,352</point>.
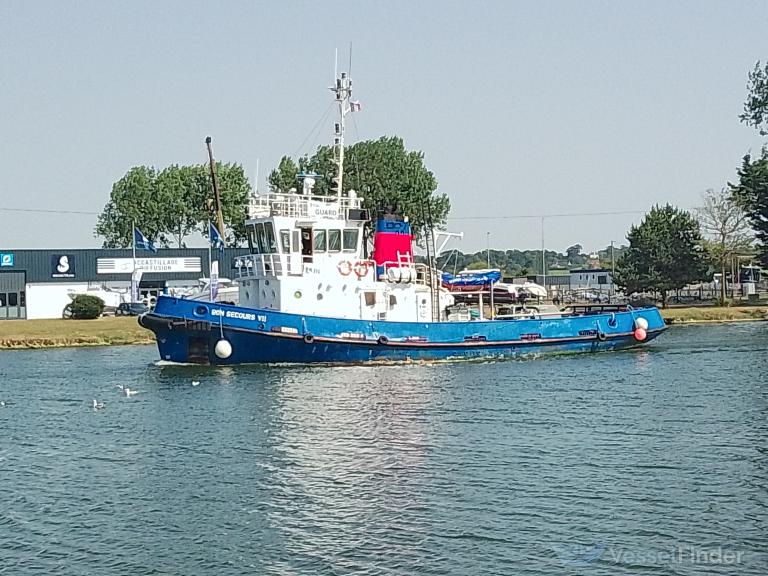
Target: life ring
<point>309,338</point>
<point>383,340</point>
<point>601,336</point>
<point>344,267</point>
<point>361,268</point>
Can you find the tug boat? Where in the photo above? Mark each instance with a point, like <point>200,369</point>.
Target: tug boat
<point>308,293</point>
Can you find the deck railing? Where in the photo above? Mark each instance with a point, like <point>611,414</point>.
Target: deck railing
<point>261,265</point>
<point>299,205</point>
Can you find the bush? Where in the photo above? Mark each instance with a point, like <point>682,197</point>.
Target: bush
<point>84,307</point>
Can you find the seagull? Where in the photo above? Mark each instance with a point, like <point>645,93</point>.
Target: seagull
<point>129,392</point>
<point>195,382</point>
<point>98,405</point>
<point>3,404</point>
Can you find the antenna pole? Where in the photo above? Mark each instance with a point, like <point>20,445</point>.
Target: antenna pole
<point>543,256</point>
<point>219,215</point>
<point>342,89</point>
<point>256,182</point>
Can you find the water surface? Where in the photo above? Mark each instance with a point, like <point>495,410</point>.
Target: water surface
<point>638,462</point>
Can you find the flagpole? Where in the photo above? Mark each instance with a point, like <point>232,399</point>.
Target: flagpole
<point>134,292</point>
<point>210,278</point>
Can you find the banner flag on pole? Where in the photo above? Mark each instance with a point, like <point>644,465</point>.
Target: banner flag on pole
<point>141,241</point>
<point>216,240</point>
<point>135,282</point>
<point>214,281</point>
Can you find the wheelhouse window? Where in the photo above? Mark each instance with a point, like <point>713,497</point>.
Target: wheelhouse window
<point>253,243</point>
<point>350,239</point>
<point>320,244</point>
<point>271,243</point>
<point>334,240</point>
<point>285,241</point>
<point>261,238</point>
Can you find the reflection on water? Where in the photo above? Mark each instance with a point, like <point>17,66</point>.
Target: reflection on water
<point>587,464</point>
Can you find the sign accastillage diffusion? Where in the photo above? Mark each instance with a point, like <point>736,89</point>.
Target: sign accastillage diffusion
<point>148,265</point>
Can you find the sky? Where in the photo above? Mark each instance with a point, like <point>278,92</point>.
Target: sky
<point>586,113</point>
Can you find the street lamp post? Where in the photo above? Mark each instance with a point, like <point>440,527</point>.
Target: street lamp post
<point>488,247</point>
<point>613,269</point>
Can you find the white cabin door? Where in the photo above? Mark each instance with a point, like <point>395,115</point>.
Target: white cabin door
<point>295,264</point>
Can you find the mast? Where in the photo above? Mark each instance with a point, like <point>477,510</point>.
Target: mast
<point>343,91</point>
<point>219,215</point>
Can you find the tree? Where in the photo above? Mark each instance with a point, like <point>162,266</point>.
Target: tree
<point>752,188</point>
<point>725,222</point>
<point>665,253</point>
<point>170,205</point>
<point>573,251</point>
<point>234,190</point>
<point>756,106</point>
<point>751,192</point>
<point>177,191</point>
<point>385,174</point>
<point>285,177</point>
<point>84,307</point>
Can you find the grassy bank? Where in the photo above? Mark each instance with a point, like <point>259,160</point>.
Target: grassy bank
<point>59,333</point>
<point>714,314</point>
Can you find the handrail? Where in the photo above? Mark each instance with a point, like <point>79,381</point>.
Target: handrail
<point>296,205</point>
<point>262,265</point>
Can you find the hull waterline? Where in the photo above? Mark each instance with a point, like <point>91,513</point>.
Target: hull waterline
<point>192,332</point>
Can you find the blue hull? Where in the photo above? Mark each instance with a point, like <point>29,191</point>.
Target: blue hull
<point>188,332</point>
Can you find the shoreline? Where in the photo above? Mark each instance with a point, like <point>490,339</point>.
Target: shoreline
<point>125,331</point>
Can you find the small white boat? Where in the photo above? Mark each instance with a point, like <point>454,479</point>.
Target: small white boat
<point>228,291</point>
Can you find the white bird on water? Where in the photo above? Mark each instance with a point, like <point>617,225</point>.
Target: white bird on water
<point>98,405</point>
<point>195,382</point>
<point>129,392</point>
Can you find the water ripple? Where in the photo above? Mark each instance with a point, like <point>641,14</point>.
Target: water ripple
<point>625,463</point>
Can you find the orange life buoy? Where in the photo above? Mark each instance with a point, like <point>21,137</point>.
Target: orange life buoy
<point>361,268</point>
<point>344,267</point>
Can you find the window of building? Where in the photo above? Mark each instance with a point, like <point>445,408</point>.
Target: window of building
<point>3,297</point>
<point>334,240</point>
<point>320,244</point>
<point>350,239</point>
<point>602,279</point>
<point>13,298</point>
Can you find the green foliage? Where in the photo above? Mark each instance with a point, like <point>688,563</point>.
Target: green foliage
<point>86,307</point>
<point>386,175</point>
<point>517,263</point>
<point>573,251</point>
<point>665,253</point>
<point>284,177</point>
<point>132,200</point>
<point>756,107</point>
<point>752,193</point>
<point>170,205</point>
